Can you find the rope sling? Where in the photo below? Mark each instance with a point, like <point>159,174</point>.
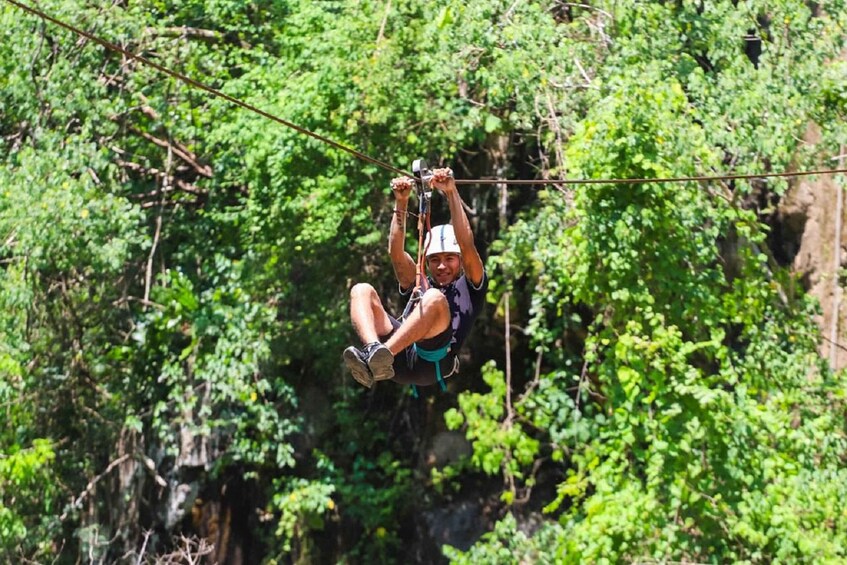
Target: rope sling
<point>423,175</point>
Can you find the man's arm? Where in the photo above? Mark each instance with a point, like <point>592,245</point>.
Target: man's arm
<point>443,180</point>
<point>404,265</point>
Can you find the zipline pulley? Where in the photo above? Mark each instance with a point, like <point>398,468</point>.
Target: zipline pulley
<point>423,175</point>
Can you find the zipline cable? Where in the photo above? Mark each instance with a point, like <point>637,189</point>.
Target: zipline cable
<point>654,180</point>
<point>196,84</point>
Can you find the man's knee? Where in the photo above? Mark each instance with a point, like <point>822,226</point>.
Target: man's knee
<point>437,311</point>
<point>362,290</point>
<point>434,298</point>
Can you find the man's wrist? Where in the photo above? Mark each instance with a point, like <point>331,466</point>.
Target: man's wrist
<point>400,211</point>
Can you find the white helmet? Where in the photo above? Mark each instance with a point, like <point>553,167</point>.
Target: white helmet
<point>443,242</point>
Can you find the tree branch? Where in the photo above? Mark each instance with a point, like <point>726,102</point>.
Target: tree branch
<point>185,32</point>
<point>161,175</point>
<point>93,483</point>
<point>179,150</point>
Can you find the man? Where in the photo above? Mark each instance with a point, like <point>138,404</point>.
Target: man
<point>422,349</point>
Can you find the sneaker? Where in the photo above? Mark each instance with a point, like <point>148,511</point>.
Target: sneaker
<point>354,359</point>
<point>380,361</point>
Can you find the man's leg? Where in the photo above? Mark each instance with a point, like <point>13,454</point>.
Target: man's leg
<point>370,320</point>
<point>428,319</point>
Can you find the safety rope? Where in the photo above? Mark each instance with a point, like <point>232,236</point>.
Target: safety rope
<point>488,181</point>
<point>424,227</point>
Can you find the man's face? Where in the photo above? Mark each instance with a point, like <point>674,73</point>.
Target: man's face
<point>444,267</point>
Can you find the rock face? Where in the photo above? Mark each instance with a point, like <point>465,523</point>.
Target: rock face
<point>813,226</point>
<point>447,448</point>
<point>459,525</point>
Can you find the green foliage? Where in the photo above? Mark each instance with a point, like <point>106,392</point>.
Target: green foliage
<point>507,544</point>
<point>209,349</point>
<point>795,515</point>
<point>498,446</point>
<point>302,506</point>
<point>701,386</point>
<point>24,474</point>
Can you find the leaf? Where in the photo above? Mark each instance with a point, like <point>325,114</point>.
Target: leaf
<point>492,123</point>
<point>445,17</point>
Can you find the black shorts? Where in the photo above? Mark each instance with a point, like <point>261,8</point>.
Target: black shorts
<point>409,369</point>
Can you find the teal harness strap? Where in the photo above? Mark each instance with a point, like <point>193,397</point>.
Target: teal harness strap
<point>434,356</point>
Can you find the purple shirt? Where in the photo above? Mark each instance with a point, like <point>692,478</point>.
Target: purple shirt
<point>466,302</point>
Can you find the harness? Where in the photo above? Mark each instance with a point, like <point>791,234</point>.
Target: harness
<point>423,175</point>
<point>435,357</point>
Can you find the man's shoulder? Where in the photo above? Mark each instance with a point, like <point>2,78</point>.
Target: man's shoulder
<point>482,287</point>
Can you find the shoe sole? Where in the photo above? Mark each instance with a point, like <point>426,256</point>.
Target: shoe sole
<point>381,365</point>
<point>357,367</point>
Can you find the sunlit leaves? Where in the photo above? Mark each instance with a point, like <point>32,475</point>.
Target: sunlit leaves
<point>498,447</point>
<point>26,487</point>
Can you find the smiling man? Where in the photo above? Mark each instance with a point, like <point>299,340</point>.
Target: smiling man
<point>422,349</point>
